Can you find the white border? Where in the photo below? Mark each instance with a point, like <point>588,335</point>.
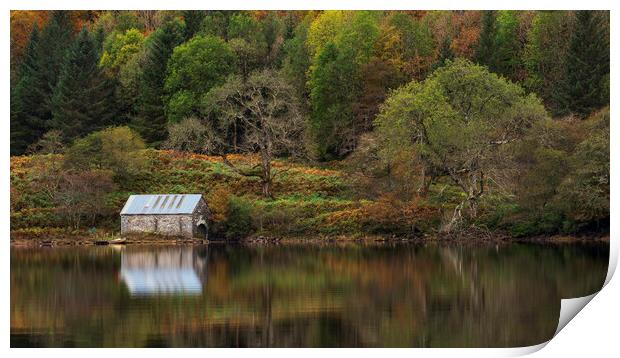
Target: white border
<point>594,331</point>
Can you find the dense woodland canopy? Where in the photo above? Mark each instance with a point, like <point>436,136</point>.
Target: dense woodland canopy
<point>505,105</point>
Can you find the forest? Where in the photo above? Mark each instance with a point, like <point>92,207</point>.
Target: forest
<point>314,123</point>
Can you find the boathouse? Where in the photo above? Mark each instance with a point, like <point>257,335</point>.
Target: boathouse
<point>179,215</point>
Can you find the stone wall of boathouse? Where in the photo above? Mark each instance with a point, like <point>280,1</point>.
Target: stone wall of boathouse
<point>170,225</point>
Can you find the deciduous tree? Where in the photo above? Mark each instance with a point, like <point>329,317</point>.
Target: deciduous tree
<point>264,110</point>
<point>459,122</point>
<point>188,135</point>
<point>118,149</point>
<point>119,48</point>
<point>335,80</point>
<point>193,69</point>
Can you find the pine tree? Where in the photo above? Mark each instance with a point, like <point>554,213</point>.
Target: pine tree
<point>193,22</point>
<point>150,120</point>
<point>587,64</point>
<point>26,116</point>
<point>99,38</point>
<point>507,52</point>
<point>546,51</point>
<point>56,38</point>
<point>485,51</point>
<point>83,99</point>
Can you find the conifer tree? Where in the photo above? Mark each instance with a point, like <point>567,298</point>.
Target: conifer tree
<point>548,42</point>
<point>83,100</point>
<point>150,120</point>
<point>26,123</point>
<point>193,22</point>
<point>56,37</point>
<point>19,129</point>
<point>485,51</point>
<point>507,51</point>
<point>99,38</point>
<point>31,111</point>
<point>586,88</point>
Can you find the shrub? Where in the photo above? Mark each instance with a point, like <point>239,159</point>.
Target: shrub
<point>118,149</point>
<point>50,143</point>
<point>390,214</point>
<point>35,217</point>
<point>218,199</point>
<point>81,197</point>
<point>238,218</point>
<point>188,135</point>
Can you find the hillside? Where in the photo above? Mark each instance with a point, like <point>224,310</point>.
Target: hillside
<point>464,123</point>
<point>309,200</point>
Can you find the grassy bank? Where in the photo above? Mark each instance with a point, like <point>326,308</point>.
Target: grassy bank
<point>308,200</point>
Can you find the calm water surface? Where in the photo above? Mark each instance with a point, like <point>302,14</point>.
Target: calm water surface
<point>401,295</point>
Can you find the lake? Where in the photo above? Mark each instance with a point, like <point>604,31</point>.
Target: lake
<point>333,295</point>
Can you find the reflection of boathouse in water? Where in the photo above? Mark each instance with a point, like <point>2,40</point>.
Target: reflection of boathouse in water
<point>175,270</point>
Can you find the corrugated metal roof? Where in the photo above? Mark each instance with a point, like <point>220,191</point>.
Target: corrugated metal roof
<point>154,204</point>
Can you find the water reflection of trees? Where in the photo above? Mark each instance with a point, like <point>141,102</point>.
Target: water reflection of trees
<point>305,296</point>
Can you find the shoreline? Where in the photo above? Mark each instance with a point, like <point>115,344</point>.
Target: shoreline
<point>77,239</point>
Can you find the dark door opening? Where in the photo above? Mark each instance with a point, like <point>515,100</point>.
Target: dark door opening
<point>202,231</point>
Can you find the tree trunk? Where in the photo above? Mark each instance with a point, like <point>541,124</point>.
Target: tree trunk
<point>426,183</point>
<point>456,219</point>
<point>266,175</point>
<point>267,189</point>
<point>476,189</point>
<point>234,137</point>
<point>472,202</point>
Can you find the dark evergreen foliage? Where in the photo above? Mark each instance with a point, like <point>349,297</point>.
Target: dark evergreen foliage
<point>56,37</point>
<point>26,123</point>
<point>83,100</point>
<point>99,38</point>
<point>193,22</point>
<point>150,120</point>
<point>507,53</point>
<point>485,51</point>
<point>587,85</point>
<point>31,111</point>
